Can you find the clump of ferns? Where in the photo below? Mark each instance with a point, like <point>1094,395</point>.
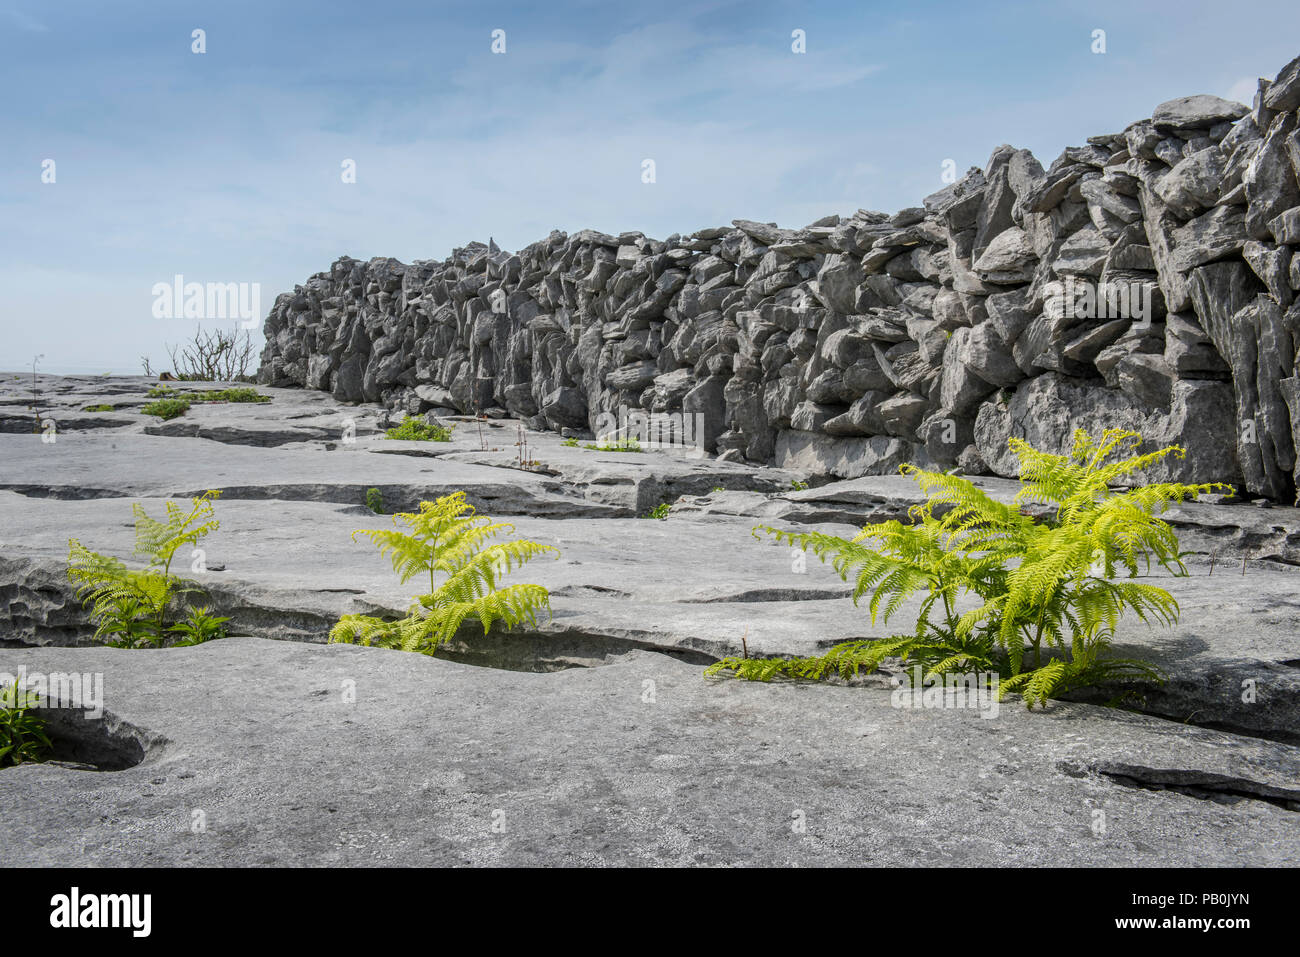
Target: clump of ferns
<point>465,564</point>
<point>141,608</point>
<point>1048,601</point>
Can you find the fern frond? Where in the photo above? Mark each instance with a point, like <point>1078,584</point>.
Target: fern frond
<point>447,537</point>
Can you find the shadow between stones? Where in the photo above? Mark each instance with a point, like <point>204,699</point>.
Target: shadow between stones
<point>545,653</point>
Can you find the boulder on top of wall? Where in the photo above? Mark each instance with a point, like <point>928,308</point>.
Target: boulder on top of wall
<point>1284,92</point>
<point>1193,111</point>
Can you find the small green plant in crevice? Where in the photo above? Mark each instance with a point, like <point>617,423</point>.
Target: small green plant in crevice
<point>660,511</point>
<point>140,608</point>
<point>198,626</point>
<point>1046,599</point>
<point>615,445</point>
<point>571,443</point>
<point>416,430</point>
<point>22,733</point>
<point>234,394</point>
<point>101,407</point>
<point>169,403</point>
<point>375,500</point>
<point>167,409</point>
<point>798,486</point>
<point>457,549</point>
<point>716,488</point>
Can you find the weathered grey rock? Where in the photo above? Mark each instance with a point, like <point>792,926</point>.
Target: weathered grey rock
<point>816,454</point>
<point>446,792</point>
<point>961,388</point>
<point>986,353</point>
<point>1195,111</point>
<point>1270,179</point>
<point>1083,254</point>
<point>1285,227</point>
<point>1147,378</point>
<point>1271,263</point>
<point>1047,409</point>
<point>1008,259</point>
<point>1193,184</point>
<point>1208,238</point>
<point>1189,351</point>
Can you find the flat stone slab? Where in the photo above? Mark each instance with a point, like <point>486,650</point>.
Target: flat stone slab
<point>642,762</point>
<point>293,415</point>
<point>84,465</point>
<point>701,590</point>
<point>555,726</point>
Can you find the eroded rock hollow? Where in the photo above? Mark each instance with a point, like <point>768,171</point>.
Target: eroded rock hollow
<point>1147,279</point>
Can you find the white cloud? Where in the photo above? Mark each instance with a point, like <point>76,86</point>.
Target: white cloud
<point>1243,91</point>
<point>24,22</point>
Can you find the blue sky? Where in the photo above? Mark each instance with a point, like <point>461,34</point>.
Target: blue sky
<point>225,166</point>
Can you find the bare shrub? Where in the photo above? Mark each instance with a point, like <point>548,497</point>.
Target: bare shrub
<point>214,356</point>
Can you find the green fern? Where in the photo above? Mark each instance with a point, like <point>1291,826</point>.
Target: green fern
<point>446,538</point>
<point>129,606</point>
<point>23,737</point>
<point>1042,586</point>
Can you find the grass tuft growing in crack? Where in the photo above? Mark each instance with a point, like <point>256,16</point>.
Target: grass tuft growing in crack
<point>416,430</point>
<point>616,445</point>
<point>167,409</point>
<point>169,403</point>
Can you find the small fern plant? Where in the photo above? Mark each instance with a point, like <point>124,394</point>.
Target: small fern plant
<point>1038,586</point>
<point>465,564</point>
<point>130,606</point>
<point>23,737</point>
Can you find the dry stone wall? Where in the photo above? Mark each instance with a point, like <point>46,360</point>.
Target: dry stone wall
<point>1147,279</point>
